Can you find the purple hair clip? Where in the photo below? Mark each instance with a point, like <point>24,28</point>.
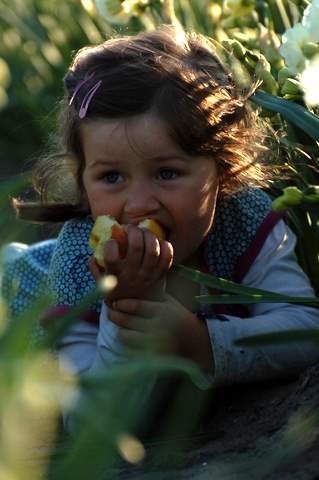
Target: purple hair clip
<point>88,97</point>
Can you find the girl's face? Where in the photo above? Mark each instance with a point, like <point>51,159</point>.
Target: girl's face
<point>134,170</point>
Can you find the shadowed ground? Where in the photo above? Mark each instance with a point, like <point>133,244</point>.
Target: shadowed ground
<point>266,431</point>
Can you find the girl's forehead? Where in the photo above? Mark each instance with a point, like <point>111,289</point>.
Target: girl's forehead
<point>142,135</point>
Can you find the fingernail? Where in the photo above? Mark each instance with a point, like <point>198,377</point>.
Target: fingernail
<point>157,247</point>
<point>111,250</point>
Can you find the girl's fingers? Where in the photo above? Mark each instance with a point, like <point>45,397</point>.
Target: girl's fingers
<point>152,251</point>
<point>158,258</point>
<point>166,258</point>
<point>123,320</point>
<point>135,249</point>
<point>138,340</point>
<point>132,338</point>
<point>136,307</point>
<point>94,269</point>
<point>132,306</point>
<point>111,254</point>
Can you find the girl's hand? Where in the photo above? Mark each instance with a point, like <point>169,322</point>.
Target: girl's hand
<point>165,326</point>
<point>142,272</point>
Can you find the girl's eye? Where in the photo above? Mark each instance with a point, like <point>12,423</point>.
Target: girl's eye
<point>112,177</point>
<point>168,174</point>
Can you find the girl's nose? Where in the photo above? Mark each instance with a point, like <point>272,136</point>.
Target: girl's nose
<point>141,200</point>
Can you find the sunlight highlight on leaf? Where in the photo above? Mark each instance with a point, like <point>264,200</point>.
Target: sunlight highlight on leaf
<point>52,54</point>
<point>30,406</point>
<point>88,5</point>
<point>107,283</point>
<point>4,99</point>
<point>5,75</point>
<point>3,316</point>
<point>131,449</point>
<point>48,385</point>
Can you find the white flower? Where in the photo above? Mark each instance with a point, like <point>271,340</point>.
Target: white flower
<point>112,11</point>
<point>310,21</point>
<point>309,80</point>
<point>119,11</point>
<point>291,49</point>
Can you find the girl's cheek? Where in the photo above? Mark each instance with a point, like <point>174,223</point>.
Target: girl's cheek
<point>104,207</point>
<point>98,203</point>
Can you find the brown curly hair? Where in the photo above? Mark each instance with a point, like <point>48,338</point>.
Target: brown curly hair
<point>178,76</point>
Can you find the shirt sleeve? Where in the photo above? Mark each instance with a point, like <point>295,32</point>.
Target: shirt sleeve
<point>275,269</point>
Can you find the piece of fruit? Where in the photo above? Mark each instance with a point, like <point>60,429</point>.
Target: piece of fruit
<point>153,226</point>
<point>106,227</point>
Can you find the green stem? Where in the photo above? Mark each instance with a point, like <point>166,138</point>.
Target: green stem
<point>279,16</point>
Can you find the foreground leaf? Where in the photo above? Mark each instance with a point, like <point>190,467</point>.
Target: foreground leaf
<point>220,283</point>
<point>249,299</point>
<point>294,113</point>
<point>279,337</point>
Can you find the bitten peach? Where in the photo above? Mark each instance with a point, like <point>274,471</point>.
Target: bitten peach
<point>106,227</point>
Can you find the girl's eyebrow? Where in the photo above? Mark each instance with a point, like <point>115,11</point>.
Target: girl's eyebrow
<point>158,158</point>
<point>174,156</point>
<point>102,163</point>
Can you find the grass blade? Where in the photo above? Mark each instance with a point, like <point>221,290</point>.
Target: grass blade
<point>294,113</point>
<point>248,299</point>
<point>220,283</point>
<point>279,337</point>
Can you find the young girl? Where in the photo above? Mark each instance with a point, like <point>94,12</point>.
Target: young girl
<point>152,126</point>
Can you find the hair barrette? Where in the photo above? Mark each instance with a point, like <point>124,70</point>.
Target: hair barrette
<point>87,99</point>
<point>80,84</point>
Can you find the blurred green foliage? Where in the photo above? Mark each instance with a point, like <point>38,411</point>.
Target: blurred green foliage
<point>37,41</point>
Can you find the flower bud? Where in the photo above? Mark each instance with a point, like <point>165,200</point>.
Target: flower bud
<point>238,49</point>
<point>235,47</point>
<point>269,83</point>
<point>310,49</point>
<point>291,196</point>
<point>262,65</point>
<point>291,87</point>
<point>311,194</point>
<point>283,74</point>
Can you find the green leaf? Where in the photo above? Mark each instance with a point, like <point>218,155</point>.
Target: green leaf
<point>220,283</point>
<point>294,113</point>
<point>15,341</point>
<point>244,294</point>
<point>245,299</point>
<point>279,337</point>
<point>147,364</point>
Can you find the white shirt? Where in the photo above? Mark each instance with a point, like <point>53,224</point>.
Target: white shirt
<point>87,347</point>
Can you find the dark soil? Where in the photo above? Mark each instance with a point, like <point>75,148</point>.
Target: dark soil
<point>262,431</point>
